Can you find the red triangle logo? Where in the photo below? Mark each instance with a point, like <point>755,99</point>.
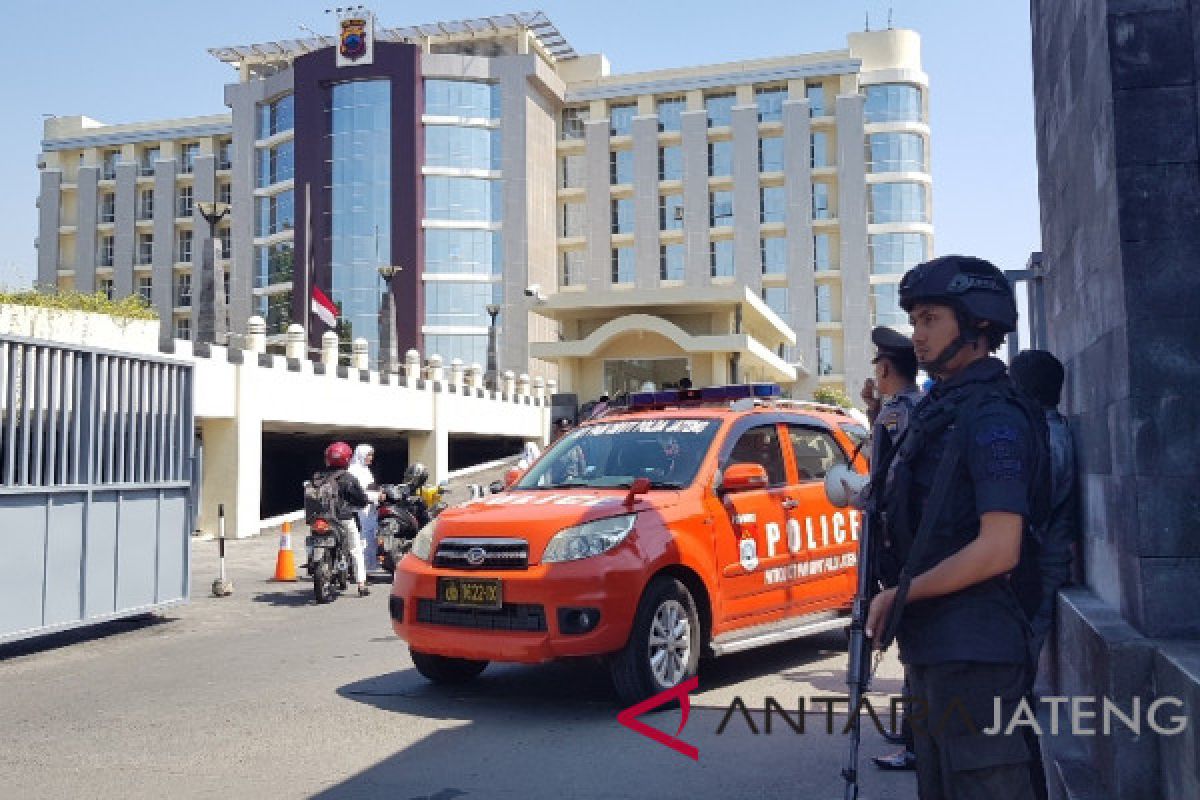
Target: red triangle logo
<point>628,717</point>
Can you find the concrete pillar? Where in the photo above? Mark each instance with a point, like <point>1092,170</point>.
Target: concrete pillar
<point>412,367</point>
<point>431,448</point>
<point>329,349</point>
<point>523,385</point>
<point>256,335</point>
<point>359,357</point>
<point>232,459</point>
<point>456,372</point>
<point>437,373</point>
<point>539,388</point>
<point>510,384</point>
<point>475,377</point>
<point>295,342</point>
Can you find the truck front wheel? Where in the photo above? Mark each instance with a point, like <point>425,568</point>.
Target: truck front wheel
<point>664,645</point>
<point>443,669</point>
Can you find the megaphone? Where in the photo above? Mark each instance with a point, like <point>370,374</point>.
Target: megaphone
<point>838,479</point>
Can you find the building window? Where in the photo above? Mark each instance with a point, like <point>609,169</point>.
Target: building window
<point>670,212</point>
<point>276,117</point>
<point>573,216</point>
<point>225,155</point>
<point>772,204</point>
<point>669,109</point>
<point>572,168</point>
<point>670,262</point>
<point>462,148</point>
<point>620,119</point>
<point>225,237</point>
<point>720,258</point>
<point>276,213</point>
<point>822,258</point>
<point>183,290</point>
<point>468,348</point>
<point>106,251</point>
<point>897,202</point>
<point>146,204</point>
<point>187,157</point>
<point>276,310</point>
<point>622,265</point>
<point>770,103</point>
<point>184,204</point>
<point>463,252</point>
<point>719,108</point>
<point>108,207</point>
<point>573,120</point>
<point>824,303</point>
<point>273,264</point>
<point>276,164</point>
<point>824,355</point>
<point>108,168</point>
<point>104,286</point>
<point>885,305</point>
<point>145,287</point>
<point>225,192</point>
<point>815,94</point>
<point>893,102</point>
<point>896,253</point>
<point>183,248</point>
<point>459,304</point>
<point>620,167</point>
<point>820,201</point>
<point>670,163</point>
<point>720,159</point>
<point>720,209</point>
<point>776,298</point>
<point>622,215</point>
<point>145,251</point>
<point>149,156</point>
<point>474,199</point>
<point>774,255</point>
<point>770,154</point>
<point>469,99</point>
<point>183,328</point>
<point>572,268</point>
<point>819,150</point>
<point>896,152</point>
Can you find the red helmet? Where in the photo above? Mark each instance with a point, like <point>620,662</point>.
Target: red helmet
<point>338,455</point>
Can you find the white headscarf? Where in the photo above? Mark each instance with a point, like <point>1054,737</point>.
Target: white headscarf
<point>358,466</point>
<point>360,455</point>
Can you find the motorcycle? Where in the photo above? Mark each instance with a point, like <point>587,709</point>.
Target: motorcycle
<point>330,564</point>
<point>401,514</point>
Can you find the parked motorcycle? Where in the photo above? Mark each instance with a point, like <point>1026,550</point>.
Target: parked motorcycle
<point>402,513</point>
<point>330,564</point>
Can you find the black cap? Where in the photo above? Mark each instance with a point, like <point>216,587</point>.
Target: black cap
<point>896,347</point>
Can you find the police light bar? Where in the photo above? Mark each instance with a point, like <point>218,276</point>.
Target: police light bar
<point>639,401</point>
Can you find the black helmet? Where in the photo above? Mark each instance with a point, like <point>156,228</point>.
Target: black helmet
<point>972,286</point>
<point>416,475</point>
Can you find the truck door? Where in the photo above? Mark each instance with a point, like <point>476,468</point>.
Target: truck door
<point>742,532</point>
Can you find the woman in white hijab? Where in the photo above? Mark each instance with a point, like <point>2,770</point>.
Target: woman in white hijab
<point>360,468</point>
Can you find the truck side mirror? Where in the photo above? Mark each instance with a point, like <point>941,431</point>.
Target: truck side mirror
<point>743,478</point>
<point>512,476</point>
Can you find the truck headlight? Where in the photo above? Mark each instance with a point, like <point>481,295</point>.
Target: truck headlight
<point>589,539</point>
<point>422,543</point>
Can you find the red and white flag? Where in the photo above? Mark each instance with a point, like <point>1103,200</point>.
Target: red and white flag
<point>324,308</point>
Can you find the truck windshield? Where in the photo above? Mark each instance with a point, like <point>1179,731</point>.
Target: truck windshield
<point>614,454</point>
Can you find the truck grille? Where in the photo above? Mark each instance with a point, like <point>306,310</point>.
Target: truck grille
<point>509,617</point>
<point>482,554</point>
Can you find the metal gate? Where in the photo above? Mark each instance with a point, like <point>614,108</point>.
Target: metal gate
<point>95,485</point>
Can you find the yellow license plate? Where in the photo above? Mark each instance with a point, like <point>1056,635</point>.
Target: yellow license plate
<point>469,592</point>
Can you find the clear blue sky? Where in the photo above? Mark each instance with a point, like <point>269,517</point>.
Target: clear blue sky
<point>134,60</point>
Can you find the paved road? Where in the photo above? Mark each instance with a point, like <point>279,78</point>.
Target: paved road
<point>265,694</point>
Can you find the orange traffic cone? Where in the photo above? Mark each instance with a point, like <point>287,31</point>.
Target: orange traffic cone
<point>285,562</point>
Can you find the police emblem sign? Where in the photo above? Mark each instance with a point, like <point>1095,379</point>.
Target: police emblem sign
<point>356,38</point>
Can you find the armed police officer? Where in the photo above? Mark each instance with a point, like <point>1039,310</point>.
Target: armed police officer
<point>960,489</point>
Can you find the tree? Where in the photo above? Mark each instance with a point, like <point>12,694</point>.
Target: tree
<point>832,396</point>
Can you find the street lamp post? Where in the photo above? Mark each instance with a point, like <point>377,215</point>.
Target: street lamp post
<point>389,335</point>
<point>493,376</point>
<point>212,315</point>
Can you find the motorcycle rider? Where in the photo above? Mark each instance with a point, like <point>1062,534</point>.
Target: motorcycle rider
<point>352,497</point>
<point>368,520</point>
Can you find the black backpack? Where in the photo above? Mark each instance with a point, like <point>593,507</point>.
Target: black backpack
<point>1026,577</point>
<point>323,497</point>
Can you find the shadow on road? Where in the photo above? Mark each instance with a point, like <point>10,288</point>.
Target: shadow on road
<point>301,596</point>
<point>104,630</point>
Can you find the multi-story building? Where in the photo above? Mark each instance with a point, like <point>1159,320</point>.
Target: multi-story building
<point>746,220</point>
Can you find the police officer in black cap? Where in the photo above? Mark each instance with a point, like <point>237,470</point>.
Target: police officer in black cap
<point>962,487</point>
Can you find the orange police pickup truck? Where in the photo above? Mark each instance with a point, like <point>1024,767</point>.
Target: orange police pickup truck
<point>694,523</point>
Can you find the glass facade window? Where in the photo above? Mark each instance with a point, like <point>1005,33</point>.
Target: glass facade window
<point>183,290</point>
<point>275,309</point>
<point>772,204</point>
<point>225,192</point>
<point>822,253</point>
<point>276,117</point>
<point>472,199</point>
<point>815,94</point>
<point>464,148</point>
<point>468,348</point>
<point>622,265</point>
<point>183,247</point>
<point>470,99</point>
<point>670,163</point>
<point>893,102</point>
<point>108,167</point>
<point>825,355</point>
<point>885,305</point>
<point>360,207</point>
<point>145,248</point>
<point>273,265</point>
<point>776,298</point>
<point>620,166</point>
<point>463,252</point>
<point>572,268</point>
<point>107,244</point>
<point>770,154</point>
<point>573,217</point>
<point>105,287</point>
<point>669,109</point>
<point>225,155</point>
<point>459,304</point>
<point>108,207</point>
<point>145,288</point>
<point>276,213</point>
<point>720,258</point>
<point>670,262</point>
<point>620,119</point>
<point>183,328</point>
<point>720,159</point>
<point>774,255</point>
<point>184,202</point>
<point>896,253</point>
<point>820,201</point>
<point>276,164</point>
<point>146,204</point>
<point>573,120</point>
<point>670,212</point>
<point>824,303</point>
<point>720,109</point>
<point>187,157</point>
<point>572,171</point>
<point>225,237</point>
<point>720,209</point>
<point>897,202</point>
<point>149,156</point>
<point>896,152</point>
<point>820,150</point>
<point>770,103</point>
<point>622,215</point>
